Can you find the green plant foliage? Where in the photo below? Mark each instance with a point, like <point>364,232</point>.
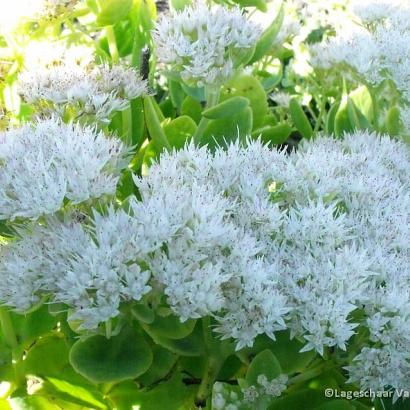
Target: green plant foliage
<point>239,90</point>
<point>103,360</point>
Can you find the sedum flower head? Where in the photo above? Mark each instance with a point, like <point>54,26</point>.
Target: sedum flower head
<point>374,47</point>
<point>43,164</point>
<point>205,44</point>
<point>90,268</point>
<point>69,88</point>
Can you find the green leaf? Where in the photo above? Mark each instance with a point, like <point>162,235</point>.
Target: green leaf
<point>363,101</point>
<point>229,369</point>
<point>247,86</point>
<point>198,93</point>
<point>177,93</point>
<point>162,364</point>
<point>152,120</point>
<point>222,132</point>
<point>37,402</point>
<point>121,357</point>
<point>47,357</point>
<point>272,75</point>
<point>180,4</point>
<point>331,117</point>
<point>171,395</point>
<point>306,399</point>
<point>137,121</point>
<point>264,363</point>
<point>171,327</point>
<point>180,130</point>
<point>192,345</point>
<point>300,119</point>
<point>342,120</point>
<point>273,135</point>
<point>227,108</point>
<point>85,395</point>
<point>192,108</point>
<point>356,117</point>
<point>268,37</point>
<point>259,4</point>
<point>32,325</point>
<point>393,121</point>
<point>113,11</point>
<point>143,313</point>
<point>287,351</point>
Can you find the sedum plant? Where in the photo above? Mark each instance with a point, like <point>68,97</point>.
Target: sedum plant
<point>204,205</point>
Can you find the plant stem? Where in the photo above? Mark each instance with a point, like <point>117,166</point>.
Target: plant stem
<point>108,329</point>
<point>310,374</point>
<point>375,107</point>
<point>205,388</point>
<point>11,341</point>
<point>213,365</point>
<point>212,98</point>
<point>153,123</point>
<point>112,44</point>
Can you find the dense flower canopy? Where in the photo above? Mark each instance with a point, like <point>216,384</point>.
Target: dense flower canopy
<point>259,239</point>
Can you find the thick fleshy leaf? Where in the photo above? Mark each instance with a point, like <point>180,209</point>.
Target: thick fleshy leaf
<point>268,37</point>
<point>113,11</point>
<point>247,86</point>
<point>171,395</point>
<point>171,327</point>
<point>227,108</point>
<point>180,131</point>
<point>273,135</point>
<point>264,363</point>
<point>393,122</point>
<point>300,119</point>
<point>103,360</point>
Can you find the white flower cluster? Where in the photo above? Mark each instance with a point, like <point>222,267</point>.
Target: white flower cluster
<point>85,89</point>
<point>375,47</point>
<point>259,239</point>
<point>264,387</point>
<point>40,55</point>
<point>204,44</point>
<point>91,269</point>
<point>45,163</point>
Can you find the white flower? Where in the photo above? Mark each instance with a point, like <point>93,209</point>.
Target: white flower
<point>39,55</point>
<point>44,163</point>
<point>374,49</point>
<point>204,44</point>
<point>97,91</point>
<point>91,269</point>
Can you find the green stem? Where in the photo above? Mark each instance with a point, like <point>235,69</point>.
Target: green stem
<point>112,44</point>
<point>320,118</point>
<point>11,341</point>
<point>213,365</point>
<point>375,107</point>
<point>108,329</point>
<point>127,125</point>
<point>310,374</point>
<point>153,122</point>
<point>205,388</point>
<point>212,98</point>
